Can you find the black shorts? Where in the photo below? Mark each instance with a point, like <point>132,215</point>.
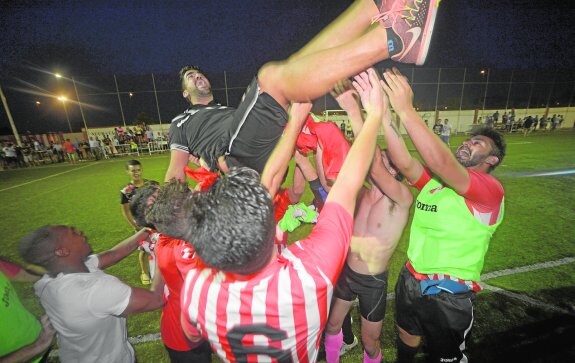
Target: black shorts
<point>443,319</point>
<point>200,354</point>
<point>258,124</point>
<point>371,291</point>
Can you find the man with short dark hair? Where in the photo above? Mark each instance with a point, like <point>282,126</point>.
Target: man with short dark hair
<point>86,306</point>
<point>245,299</point>
<point>172,257</point>
<point>459,207</point>
<point>379,221</point>
<point>364,34</point>
<point>145,257</point>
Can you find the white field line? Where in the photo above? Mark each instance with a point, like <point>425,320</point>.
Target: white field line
<point>47,177</point>
<point>68,171</point>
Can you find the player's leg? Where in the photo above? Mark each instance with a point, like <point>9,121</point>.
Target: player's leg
<point>331,56</point>
<point>349,25</point>
<point>333,339</point>
<point>349,339</point>
<point>372,296</point>
<point>446,322</point>
<point>370,332</point>
<point>407,295</point>
<point>309,77</point>
<point>296,190</point>
<point>144,267</point>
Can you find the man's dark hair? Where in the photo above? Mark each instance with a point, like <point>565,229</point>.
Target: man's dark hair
<point>37,247</point>
<point>499,145</point>
<point>132,163</point>
<point>231,225</point>
<point>167,211</point>
<point>139,203</point>
<point>183,72</point>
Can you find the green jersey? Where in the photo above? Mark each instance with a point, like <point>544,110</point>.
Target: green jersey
<point>18,327</point>
<point>446,238</point>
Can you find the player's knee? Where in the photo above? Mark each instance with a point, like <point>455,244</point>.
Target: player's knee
<point>370,344</point>
<point>269,74</point>
<point>271,80</point>
<point>333,325</point>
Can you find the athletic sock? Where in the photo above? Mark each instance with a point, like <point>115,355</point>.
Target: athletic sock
<point>367,359</point>
<point>405,353</point>
<point>315,185</point>
<point>394,44</point>
<point>332,344</point>
<point>348,336</point>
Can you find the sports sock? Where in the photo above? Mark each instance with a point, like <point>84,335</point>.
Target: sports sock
<point>332,344</point>
<point>348,337</point>
<point>405,353</point>
<point>367,359</point>
<point>394,44</point>
<point>315,185</point>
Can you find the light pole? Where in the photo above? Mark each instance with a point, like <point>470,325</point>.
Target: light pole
<point>64,99</point>
<point>58,75</point>
<point>485,93</point>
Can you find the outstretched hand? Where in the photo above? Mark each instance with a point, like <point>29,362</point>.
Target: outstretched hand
<point>368,86</point>
<point>345,95</point>
<point>398,90</point>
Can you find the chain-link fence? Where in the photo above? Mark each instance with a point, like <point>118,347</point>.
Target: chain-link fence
<point>156,98</point>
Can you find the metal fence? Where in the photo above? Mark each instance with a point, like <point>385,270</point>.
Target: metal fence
<point>122,99</point>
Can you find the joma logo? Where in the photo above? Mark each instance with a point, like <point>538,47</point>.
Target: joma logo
<point>426,207</point>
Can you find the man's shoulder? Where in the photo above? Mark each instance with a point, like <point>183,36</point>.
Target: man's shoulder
<point>128,189</point>
<point>194,112</point>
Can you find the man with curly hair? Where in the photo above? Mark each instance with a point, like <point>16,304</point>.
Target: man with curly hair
<point>247,300</point>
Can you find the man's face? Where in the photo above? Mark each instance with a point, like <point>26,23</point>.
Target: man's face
<point>75,242</point>
<point>135,172</point>
<point>475,151</point>
<point>195,83</point>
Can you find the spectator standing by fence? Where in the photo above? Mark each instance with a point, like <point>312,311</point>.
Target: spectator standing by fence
<point>445,132</point>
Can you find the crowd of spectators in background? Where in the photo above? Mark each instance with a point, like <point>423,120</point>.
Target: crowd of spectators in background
<point>34,152</point>
<point>526,124</point>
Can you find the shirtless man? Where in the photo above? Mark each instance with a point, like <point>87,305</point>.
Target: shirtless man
<point>380,218</point>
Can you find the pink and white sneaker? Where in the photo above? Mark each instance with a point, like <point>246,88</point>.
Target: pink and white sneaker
<point>412,21</point>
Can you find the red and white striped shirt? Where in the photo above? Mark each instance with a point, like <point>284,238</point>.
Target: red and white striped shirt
<point>277,314</point>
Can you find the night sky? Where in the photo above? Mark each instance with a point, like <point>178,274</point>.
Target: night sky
<point>97,39</point>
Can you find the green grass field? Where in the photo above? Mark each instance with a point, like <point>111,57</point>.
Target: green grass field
<point>531,319</point>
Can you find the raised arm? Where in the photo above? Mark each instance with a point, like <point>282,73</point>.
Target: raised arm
<point>358,160</point>
<point>122,249</point>
<point>277,164</point>
<point>178,161</point>
<point>407,165</point>
<point>347,98</point>
<point>435,153</point>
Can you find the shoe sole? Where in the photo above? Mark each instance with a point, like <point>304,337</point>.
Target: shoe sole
<point>426,40</point>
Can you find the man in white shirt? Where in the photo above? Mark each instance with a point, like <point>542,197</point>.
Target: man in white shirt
<point>86,306</point>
